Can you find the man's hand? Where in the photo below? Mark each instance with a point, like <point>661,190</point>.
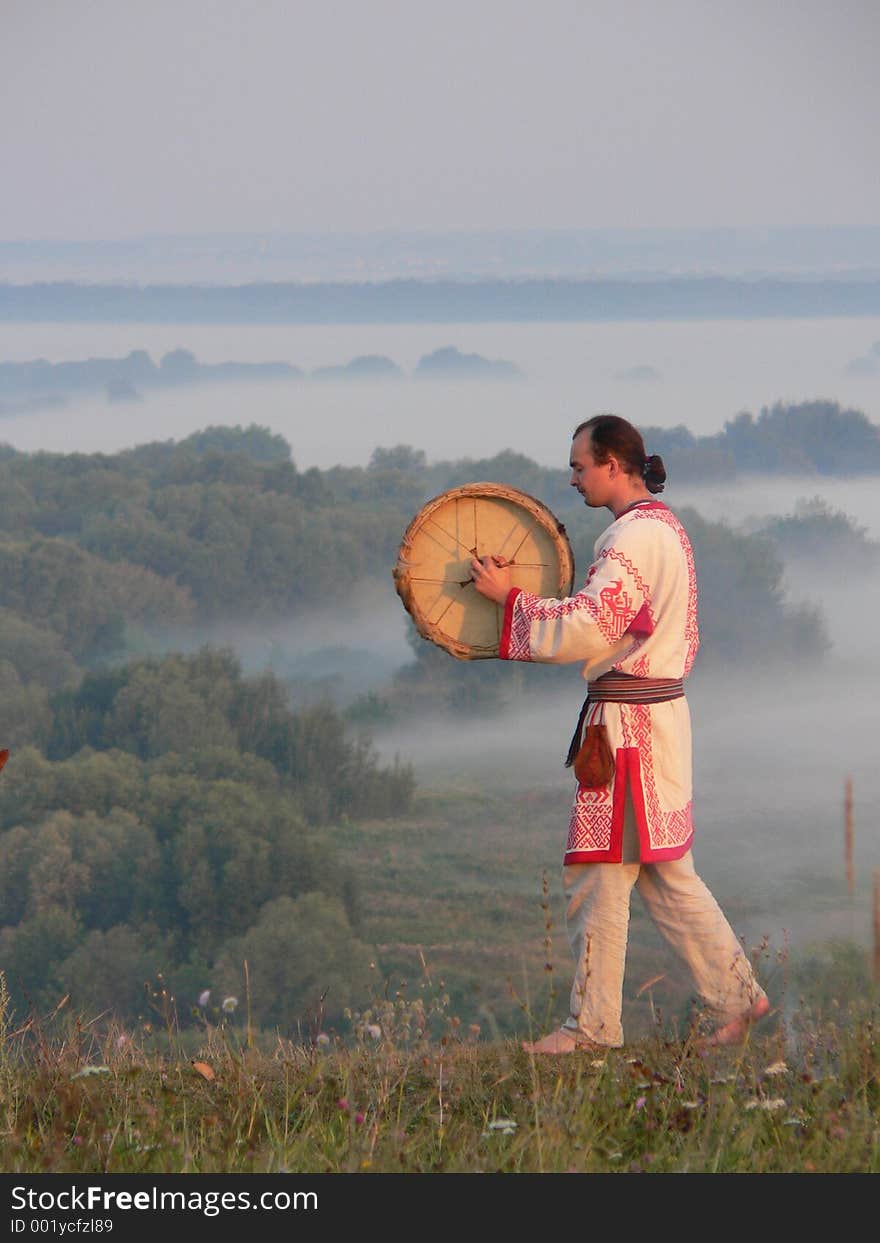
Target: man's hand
<point>491,577</point>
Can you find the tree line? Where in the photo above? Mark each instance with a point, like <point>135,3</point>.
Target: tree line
<point>99,552</point>
<point>525,299</point>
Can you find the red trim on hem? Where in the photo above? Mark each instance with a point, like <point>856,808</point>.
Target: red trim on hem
<point>628,772</point>
<point>667,854</point>
<point>658,853</point>
<point>504,641</point>
<point>588,856</point>
<point>618,807</point>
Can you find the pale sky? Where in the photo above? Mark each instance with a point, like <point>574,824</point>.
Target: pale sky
<point>121,118</point>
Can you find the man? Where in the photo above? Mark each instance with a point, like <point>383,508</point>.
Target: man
<point>634,627</point>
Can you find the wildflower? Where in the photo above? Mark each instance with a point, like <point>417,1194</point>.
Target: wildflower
<point>229,1004</point>
<point>322,1038</point>
<point>373,1030</point>
<point>776,1068</point>
<point>768,1105</point>
<point>204,997</point>
<point>641,1103</point>
<point>342,1104</point>
<point>359,1118</point>
<point>77,1139</point>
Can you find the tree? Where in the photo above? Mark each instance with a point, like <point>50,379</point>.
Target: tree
<point>303,961</point>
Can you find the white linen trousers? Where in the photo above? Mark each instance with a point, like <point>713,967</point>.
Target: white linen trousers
<point>683,910</point>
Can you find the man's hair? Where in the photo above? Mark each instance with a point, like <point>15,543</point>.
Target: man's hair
<point>610,435</point>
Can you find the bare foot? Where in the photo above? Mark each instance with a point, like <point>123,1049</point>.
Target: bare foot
<point>561,1041</point>
<point>737,1029</point>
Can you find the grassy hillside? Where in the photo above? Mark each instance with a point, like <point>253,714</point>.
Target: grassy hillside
<point>802,1098</point>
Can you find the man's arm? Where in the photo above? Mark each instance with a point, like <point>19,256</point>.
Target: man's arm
<point>614,601</point>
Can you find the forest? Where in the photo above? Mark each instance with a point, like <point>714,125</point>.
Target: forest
<point>165,813</point>
<point>527,299</point>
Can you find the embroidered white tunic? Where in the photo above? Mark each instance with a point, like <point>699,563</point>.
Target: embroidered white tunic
<point>636,614</point>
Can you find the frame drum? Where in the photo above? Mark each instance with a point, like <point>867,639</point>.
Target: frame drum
<point>433,571</point>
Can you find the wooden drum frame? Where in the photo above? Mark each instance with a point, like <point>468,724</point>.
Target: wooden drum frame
<point>433,571</point>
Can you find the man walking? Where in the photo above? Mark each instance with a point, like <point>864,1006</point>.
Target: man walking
<point>633,626</point>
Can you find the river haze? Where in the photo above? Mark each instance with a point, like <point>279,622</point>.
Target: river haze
<point>703,373</point>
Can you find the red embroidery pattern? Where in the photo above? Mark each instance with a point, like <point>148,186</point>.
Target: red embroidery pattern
<point>612,619</point>
<point>615,555</point>
<point>617,611</point>
<point>519,646</point>
<point>545,610</point>
<point>691,630</point>
<point>665,828</point>
<point>590,826</point>
<point>641,666</point>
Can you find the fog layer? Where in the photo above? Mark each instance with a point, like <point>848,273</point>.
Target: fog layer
<point>704,373</point>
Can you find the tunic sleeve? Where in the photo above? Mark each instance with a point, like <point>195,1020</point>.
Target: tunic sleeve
<point>584,627</point>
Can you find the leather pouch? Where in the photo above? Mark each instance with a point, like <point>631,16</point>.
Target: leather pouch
<point>594,762</point>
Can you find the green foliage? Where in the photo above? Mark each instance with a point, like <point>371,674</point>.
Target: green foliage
<point>103,549</point>
<point>801,438</point>
<point>174,804</point>
<point>109,971</point>
<point>191,704</point>
<point>830,976</point>
<point>324,969</point>
<point>812,437</point>
<point>34,652</point>
<point>83,600</point>
<point>742,608</point>
<point>817,533</point>
<point>26,713</point>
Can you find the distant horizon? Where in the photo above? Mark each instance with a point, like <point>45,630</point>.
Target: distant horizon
<point>235,257</point>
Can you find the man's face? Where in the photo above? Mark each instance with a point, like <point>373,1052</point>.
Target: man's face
<point>590,479</point>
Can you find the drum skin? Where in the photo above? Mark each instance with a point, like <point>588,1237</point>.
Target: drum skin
<point>433,571</point>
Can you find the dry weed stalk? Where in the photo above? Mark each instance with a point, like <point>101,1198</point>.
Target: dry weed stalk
<point>848,835</point>
<point>877,925</point>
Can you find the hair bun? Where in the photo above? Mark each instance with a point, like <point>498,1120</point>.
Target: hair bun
<point>654,473</point>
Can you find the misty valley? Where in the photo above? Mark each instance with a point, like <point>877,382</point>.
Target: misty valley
<point>226,735</point>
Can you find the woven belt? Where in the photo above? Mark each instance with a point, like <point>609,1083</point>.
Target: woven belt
<point>623,688</point>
